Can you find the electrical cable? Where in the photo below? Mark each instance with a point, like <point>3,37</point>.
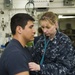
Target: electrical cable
<point>29,7</point>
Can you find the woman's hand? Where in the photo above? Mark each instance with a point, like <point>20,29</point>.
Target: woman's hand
<point>33,66</point>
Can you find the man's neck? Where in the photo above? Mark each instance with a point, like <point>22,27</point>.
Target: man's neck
<point>22,42</point>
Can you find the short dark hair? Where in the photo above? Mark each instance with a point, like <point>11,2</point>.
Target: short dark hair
<point>19,19</point>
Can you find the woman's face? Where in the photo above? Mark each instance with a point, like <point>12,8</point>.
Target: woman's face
<point>48,28</point>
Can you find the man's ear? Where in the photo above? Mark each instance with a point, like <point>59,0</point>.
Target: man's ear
<point>19,29</point>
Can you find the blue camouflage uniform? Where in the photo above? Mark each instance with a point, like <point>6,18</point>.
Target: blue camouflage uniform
<point>59,56</point>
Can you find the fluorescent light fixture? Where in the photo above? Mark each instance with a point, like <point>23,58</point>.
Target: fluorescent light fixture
<point>61,16</point>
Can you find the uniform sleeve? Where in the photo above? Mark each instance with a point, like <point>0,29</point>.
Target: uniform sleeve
<point>63,64</point>
<point>16,63</point>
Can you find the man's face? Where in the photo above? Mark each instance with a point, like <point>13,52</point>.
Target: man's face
<point>28,32</point>
<point>48,28</point>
